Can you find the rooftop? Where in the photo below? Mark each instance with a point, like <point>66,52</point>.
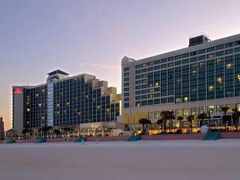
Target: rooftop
<point>58,72</point>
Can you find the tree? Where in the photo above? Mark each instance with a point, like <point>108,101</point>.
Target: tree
<point>144,122</point>
<point>56,132</point>
<point>235,117</point>
<point>224,109</point>
<point>44,130</point>
<point>160,122</point>
<point>164,117</point>
<point>180,119</point>
<point>26,131</point>
<point>201,116</point>
<point>171,118</point>
<point>190,120</point>
<point>209,117</point>
<point>225,118</point>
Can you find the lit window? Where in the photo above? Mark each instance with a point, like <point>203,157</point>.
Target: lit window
<point>210,88</point>
<point>219,80</point>
<point>185,99</point>
<point>40,105</point>
<point>229,65</point>
<point>28,109</point>
<point>238,77</point>
<point>178,100</point>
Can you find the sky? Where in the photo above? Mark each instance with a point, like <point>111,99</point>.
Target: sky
<point>92,36</point>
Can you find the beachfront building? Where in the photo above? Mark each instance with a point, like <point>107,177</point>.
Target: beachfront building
<point>2,133</point>
<point>202,77</point>
<point>65,101</point>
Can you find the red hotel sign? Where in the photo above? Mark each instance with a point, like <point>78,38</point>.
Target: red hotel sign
<point>18,90</point>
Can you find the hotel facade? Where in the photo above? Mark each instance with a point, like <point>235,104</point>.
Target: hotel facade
<point>202,77</point>
<point>65,101</point>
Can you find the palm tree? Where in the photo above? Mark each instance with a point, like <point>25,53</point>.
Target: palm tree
<point>160,122</point>
<point>235,117</point>
<point>164,117</point>
<point>180,119</point>
<point>56,132</point>
<point>224,110</point>
<point>190,120</point>
<point>144,122</point>
<point>27,131</point>
<point>209,117</point>
<point>201,116</point>
<point>225,119</point>
<point>171,118</point>
<point>167,115</point>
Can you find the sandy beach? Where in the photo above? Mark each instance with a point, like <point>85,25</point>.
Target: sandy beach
<point>164,160</point>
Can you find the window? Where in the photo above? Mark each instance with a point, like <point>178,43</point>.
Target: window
<point>178,57</point>
<point>220,47</point>
<point>163,60</point>
<point>201,51</point>
<point>194,53</point>
<point>237,43</point>
<point>229,51</point>
<point>170,58</point>
<point>126,69</point>
<point>157,62</point>
<point>210,49</point>
<point>185,55</point>
<point>220,53</point>
<point>202,57</point>
<point>228,45</point>
<point>185,61</point>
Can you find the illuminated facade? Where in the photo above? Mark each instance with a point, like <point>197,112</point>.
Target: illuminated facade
<point>200,78</point>
<point>65,101</point>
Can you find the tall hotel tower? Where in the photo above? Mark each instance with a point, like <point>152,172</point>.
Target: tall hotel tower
<point>202,77</point>
<point>65,101</point>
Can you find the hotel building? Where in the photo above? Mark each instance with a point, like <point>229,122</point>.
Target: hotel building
<point>2,133</point>
<point>65,101</point>
<point>202,77</point>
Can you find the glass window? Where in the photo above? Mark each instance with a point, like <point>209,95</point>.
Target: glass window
<point>202,57</point>
<point>164,60</point>
<point>201,51</point>
<point>171,58</point>
<point>185,55</point>
<point>210,49</point>
<point>157,62</point>
<point>227,45</point>
<point>194,53</point>
<point>237,43</point>
<point>220,47</point>
<point>126,69</point>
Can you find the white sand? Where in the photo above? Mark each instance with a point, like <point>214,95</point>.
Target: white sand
<point>160,160</point>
